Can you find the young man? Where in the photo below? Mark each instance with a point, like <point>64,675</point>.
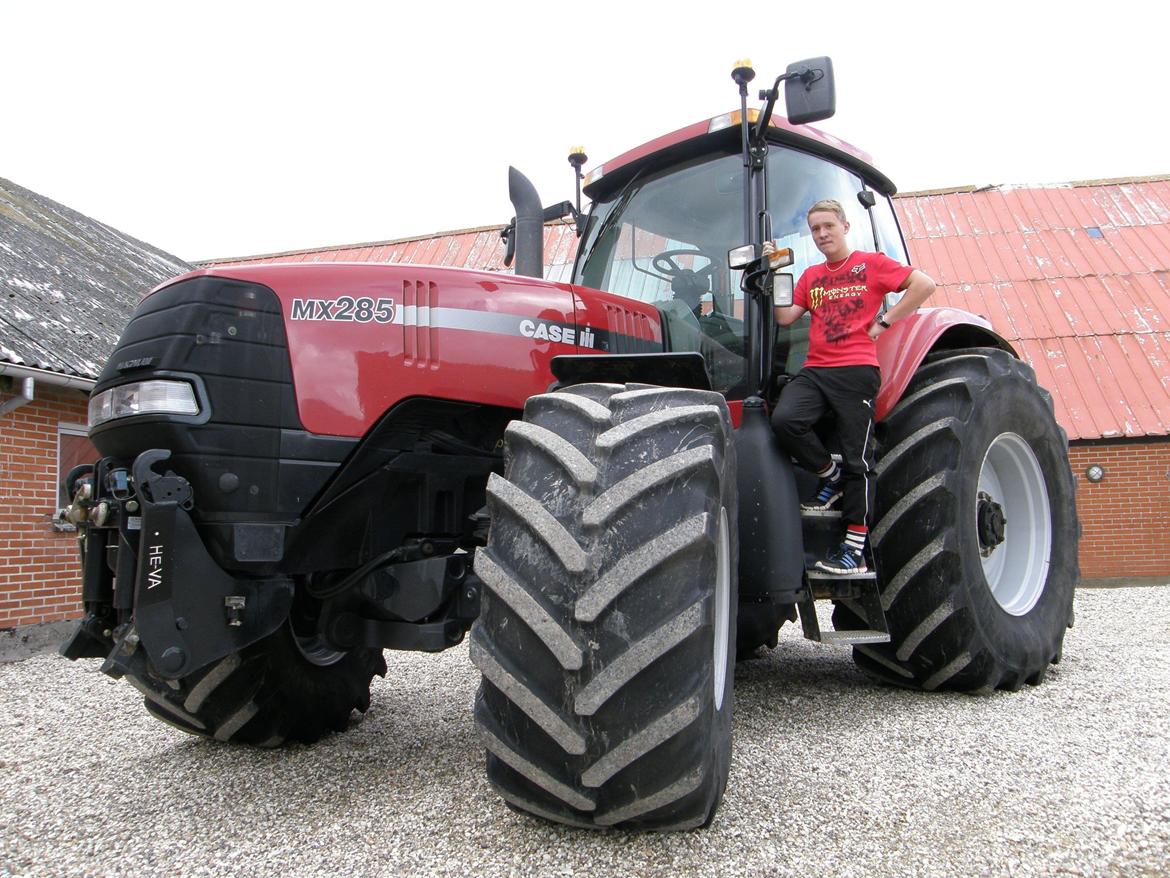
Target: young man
<point>845,295</point>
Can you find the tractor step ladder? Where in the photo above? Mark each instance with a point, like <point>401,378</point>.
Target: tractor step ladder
<point>822,530</point>
<point>858,588</point>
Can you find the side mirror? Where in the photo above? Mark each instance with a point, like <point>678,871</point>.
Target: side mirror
<point>743,257</point>
<point>809,92</point>
<point>781,258</point>
<point>782,288</point>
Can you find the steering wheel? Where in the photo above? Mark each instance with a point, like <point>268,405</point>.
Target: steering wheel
<point>687,284</point>
<point>665,263</point>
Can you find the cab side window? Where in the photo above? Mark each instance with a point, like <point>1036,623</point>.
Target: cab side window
<point>885,224</point>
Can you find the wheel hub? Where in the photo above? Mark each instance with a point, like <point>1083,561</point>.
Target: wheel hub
<point>1012,491</point>
<point>991,523</point>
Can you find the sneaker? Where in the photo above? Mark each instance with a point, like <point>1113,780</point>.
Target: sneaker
<point>828,495</point>
<point>843,560</point>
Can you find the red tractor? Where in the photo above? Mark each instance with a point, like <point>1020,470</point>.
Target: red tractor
<point>306,464</point>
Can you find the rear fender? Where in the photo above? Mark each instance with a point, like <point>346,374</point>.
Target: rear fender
<point>902,348</point>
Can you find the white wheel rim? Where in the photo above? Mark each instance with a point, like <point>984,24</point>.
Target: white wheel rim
<point>1017,568</point>
<point>316,652</point>
<point>722,608</point>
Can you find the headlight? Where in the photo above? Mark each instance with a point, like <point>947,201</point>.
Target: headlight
<point>143,398</point>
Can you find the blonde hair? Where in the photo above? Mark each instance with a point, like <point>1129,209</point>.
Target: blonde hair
<point>828,205</point>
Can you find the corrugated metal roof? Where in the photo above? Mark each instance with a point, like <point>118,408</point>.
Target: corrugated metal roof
<point>1075,275</point>
<point>68,283</point>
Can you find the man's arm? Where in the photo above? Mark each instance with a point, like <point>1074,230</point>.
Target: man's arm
<point>916,289</point>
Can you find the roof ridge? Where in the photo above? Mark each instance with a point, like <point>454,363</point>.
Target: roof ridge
<point>201,263</point>
<point>1071,184</point>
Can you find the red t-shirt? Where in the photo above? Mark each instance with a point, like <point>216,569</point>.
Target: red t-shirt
<point>843,304</point>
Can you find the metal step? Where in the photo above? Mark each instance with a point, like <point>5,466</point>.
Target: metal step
<point>821,513</point>
<point>814,573</point>
<point>853,637</point>
<point>861,588</point>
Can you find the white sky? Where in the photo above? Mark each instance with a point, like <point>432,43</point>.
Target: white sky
<point>222,129</point>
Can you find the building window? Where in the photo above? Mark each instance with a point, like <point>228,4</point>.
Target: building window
<point>73,448</point>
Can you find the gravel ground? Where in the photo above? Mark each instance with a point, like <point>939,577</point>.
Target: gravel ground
<point>831,774</point>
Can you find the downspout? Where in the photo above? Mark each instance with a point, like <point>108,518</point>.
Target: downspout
<point>23,397</point>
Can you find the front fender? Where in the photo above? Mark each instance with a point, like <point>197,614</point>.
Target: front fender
<point>902,348</point>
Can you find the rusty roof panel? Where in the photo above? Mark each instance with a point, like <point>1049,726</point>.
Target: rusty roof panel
<point>432,252</point>
<point>1051,362</point>
<point>1107,368</point>
<point>476,257</point>
<point>911,217</point>
<point>451,251</point>
<point>466,242</point>
<point>1056,205</point>
<point>1077,276</point>
<point>1079,261</point>
<point>1141,244</point>
<point>966,222</point>
<point>1086,369</point>
<point>1100,316</point>
<point>1143,387</point>
<point>409,253</point>
<point>1037,299</point>
<point>442,252</point>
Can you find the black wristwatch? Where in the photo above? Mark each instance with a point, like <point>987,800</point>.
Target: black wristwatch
<point>882,320</point>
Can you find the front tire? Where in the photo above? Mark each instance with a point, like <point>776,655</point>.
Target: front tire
<point>976,529</point>
<point>287,687</point>
<point>606,637</point>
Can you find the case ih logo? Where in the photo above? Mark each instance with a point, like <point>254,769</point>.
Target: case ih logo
<point>555,332</point>
<point>346,309</point>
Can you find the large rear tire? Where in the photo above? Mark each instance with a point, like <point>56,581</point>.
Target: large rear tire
<point>287,687</point>
<point>606,637</point>
<point>975,534</point>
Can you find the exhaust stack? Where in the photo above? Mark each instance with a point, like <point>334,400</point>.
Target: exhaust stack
<point>529,229</point>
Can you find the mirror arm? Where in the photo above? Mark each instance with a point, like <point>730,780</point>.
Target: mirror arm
<point>564,209</point>
<point>560,211</point>
<point>754,278</point>
<point>553,212</point>
<point>508,233</point>
<point>771,95</point>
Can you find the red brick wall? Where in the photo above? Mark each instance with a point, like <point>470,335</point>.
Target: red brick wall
<point>39,569</point>
<point>1126,514</point>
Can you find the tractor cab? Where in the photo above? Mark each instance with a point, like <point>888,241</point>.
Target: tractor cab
<point>665,216</point>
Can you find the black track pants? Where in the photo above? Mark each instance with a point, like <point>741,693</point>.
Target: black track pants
<point>849,392</point>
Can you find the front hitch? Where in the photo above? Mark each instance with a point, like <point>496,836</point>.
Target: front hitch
<point>187,611</point>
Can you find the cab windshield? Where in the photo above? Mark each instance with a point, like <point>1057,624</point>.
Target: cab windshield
<point>663,239</point>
